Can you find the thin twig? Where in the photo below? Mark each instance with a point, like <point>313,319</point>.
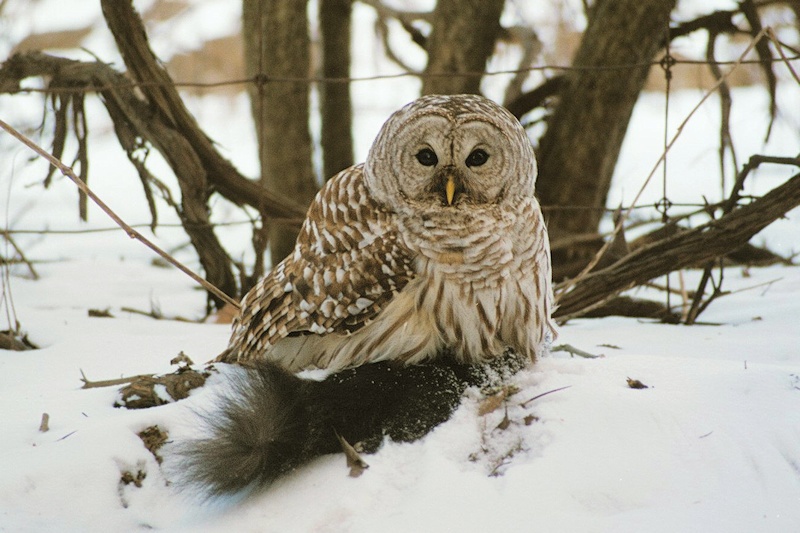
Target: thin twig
<point>698,304</point>
<point>779,45</point>
<point>18,250</point>
<point>662,287</point>
<point>726,103</point>
<point>155,314</point>
<point>752,164</point>
<point>132,233</point>
<point>573,351</point>
<point>526,402</point>
<point>694,309</point>
<point>715,294</point>
<point>88,384</point>
<point>684,297</point>
<point>766,284</point>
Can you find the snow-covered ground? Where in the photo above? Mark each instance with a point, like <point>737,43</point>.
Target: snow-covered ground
<point>713,445</point>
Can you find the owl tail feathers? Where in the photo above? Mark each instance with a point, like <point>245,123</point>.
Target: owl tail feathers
<point>253,434</point>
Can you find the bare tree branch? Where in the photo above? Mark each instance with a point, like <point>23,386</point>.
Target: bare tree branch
<point>726,103</point>
<point>406,18</point>
<point>531,46</point>
<point>748,8</point>
<point>534,98</point>
<point>717,22</point>
<point>67,171</point>
<point>703,243</point>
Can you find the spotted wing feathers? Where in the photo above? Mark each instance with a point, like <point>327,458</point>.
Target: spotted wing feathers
<point>346,267</point>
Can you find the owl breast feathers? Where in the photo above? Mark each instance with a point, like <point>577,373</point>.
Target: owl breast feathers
<point>436,245</point>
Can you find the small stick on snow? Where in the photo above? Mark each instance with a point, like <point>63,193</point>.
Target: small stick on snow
<point>44,426</point>
<point>526,402</point>
<point>573,351</point>
<point>88,384</point>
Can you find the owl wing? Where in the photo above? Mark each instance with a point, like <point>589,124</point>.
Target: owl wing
<point>347,265</point>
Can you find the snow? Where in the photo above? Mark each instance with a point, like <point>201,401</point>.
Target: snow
<point>712,445</point>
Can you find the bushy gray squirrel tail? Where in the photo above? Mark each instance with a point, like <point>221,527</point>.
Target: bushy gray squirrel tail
<point>267,421</point>
<point>253,434</point>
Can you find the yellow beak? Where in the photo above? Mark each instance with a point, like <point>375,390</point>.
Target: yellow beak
<point>450,189</point>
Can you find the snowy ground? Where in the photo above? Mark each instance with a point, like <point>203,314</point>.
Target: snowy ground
<point>713,445</point>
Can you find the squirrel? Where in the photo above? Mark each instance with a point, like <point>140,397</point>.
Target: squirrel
<point>267,421</point>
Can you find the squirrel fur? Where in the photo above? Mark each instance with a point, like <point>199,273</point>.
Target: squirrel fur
<point>267,422</point>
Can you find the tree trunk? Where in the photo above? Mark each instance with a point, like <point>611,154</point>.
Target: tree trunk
<point>578,152</point>
<point>462,39</point>
<point>277,46</point>
<point>336,138</point>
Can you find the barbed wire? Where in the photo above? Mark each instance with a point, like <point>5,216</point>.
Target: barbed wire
<point>263,79</point>
<point>699,207</point>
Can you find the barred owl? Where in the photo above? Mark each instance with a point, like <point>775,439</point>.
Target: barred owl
<point>435,245</point>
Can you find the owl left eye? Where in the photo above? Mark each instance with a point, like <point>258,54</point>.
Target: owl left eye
<point>427,157</point>
<point>477,158</point>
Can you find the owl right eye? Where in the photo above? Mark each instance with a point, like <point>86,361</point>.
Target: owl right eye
<point>427,157</point>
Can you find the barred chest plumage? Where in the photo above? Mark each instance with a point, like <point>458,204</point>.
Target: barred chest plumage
<point>479,290</point>
<point>478,281</point>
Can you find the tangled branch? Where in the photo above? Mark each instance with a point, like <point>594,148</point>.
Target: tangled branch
<point>681,250</point>
<point>68,172</point>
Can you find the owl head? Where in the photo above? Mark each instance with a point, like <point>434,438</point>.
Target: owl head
<point>445,152</point>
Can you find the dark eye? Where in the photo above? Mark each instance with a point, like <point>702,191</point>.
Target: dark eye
<point>477,158</point>
<point>427,157</point>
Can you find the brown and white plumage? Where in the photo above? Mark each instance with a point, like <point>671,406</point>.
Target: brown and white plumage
<point>435,245</point>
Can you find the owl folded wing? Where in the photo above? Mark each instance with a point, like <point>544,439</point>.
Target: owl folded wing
<point>346,267</point>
